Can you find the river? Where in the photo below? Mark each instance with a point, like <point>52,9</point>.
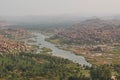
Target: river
<point>59,52</point>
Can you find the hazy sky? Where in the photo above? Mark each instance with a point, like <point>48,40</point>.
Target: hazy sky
<point>59,7</point>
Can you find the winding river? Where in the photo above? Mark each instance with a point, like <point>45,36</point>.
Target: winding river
<point>59,52</point>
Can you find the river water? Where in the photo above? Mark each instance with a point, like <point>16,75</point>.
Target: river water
<point>59,52</point>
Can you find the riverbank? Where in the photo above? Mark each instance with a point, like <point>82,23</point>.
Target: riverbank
<point>40,39</point>
<point>96,55</point>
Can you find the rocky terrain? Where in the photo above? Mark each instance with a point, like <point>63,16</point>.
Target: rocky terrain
<point>9,39</point>
<point>96,39</point>
<point>93,31</point>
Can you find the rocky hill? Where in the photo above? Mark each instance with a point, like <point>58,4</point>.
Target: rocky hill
<point>92,31</point>
<point>9,39</point>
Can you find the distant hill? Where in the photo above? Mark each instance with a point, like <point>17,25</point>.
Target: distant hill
<point>44,21</point>
<point>93,31</point>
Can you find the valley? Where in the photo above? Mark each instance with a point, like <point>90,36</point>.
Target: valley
<point>75,53</point>
<point>95,39</point>
<point>59,40</point>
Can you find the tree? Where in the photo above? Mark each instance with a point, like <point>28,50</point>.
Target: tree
<point>101,73</point>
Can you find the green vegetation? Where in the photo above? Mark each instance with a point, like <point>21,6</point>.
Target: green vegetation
<point>46,50</point>
<point>38,67</point>
<point>46,67</point>
<point>101,73</point>
<point>34,48</point>
<point>31,41</point>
